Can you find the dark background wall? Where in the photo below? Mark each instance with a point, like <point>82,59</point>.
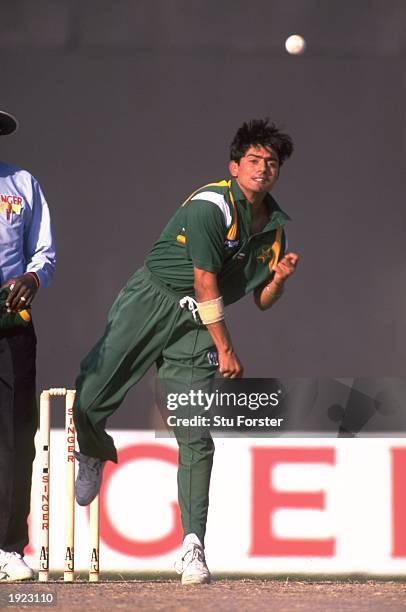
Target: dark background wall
<point>126,107</point>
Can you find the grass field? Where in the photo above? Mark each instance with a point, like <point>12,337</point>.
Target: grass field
<point>279,594</point>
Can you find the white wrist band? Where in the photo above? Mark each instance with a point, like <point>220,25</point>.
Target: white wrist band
<point>211,311</point>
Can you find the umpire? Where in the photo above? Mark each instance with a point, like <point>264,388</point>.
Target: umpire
<point>27,261</point>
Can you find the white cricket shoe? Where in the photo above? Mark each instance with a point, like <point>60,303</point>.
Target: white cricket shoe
<point>89,478</point>
<point>13,567</point>
<point>192,563</point>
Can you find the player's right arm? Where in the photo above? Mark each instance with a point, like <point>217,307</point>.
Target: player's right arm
<point>206,288</point>
<point>205,232</point>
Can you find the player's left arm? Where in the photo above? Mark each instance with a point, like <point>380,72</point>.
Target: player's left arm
<point>266,295</point>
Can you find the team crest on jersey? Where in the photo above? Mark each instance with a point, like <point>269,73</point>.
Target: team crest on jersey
<point>266,254</point>
<point>10,204</point>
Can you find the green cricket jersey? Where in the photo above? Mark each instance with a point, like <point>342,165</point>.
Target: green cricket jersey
<point>211,231</point>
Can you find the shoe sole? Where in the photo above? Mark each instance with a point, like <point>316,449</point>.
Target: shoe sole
<point>17,578</point>
<point>191,580</point>
<point>85,502</point>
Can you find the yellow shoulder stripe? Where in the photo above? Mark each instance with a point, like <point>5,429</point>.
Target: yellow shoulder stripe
<point>276,248</point>
<point>218,184</point>
<point>232,230</point>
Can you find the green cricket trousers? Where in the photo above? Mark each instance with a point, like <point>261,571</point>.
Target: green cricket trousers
<point>146,325</point>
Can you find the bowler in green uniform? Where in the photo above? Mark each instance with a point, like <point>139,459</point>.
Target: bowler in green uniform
<point>226,240</point>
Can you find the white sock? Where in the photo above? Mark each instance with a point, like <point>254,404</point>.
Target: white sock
<point>191,538</point>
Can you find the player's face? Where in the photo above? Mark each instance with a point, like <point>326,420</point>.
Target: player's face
<point>257,172</point>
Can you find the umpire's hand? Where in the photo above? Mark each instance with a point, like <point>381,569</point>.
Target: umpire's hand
<point>23,290</point>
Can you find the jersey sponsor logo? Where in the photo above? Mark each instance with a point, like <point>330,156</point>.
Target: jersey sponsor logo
<point>231,244</point>
<point>212,358</point>
<point>10,204</point>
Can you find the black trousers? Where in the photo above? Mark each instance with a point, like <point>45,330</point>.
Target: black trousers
<point>18,424</point>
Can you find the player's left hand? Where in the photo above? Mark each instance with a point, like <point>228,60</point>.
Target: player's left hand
<point>285,268</point>
<point>23,290</point>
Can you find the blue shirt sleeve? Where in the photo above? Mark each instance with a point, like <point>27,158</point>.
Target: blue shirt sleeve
<point>39,248</point>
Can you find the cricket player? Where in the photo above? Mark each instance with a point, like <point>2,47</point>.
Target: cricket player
<point>27,262</point>
<point>226,240</point>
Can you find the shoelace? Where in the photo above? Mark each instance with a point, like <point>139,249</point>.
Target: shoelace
<point>196,555</point>
<point>191,304</point>
<point>85,468</point>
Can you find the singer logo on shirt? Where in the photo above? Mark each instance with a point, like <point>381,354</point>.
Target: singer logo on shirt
<point>10,204</point>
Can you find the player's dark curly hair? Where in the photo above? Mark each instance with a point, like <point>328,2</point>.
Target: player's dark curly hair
<point>259,132</point>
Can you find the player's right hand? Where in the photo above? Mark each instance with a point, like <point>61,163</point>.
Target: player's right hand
<point>229,364</point>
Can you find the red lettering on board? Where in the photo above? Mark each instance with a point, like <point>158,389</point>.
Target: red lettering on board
<point>398,456</point>
<point>267,500</point>
<point>109,534</point>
